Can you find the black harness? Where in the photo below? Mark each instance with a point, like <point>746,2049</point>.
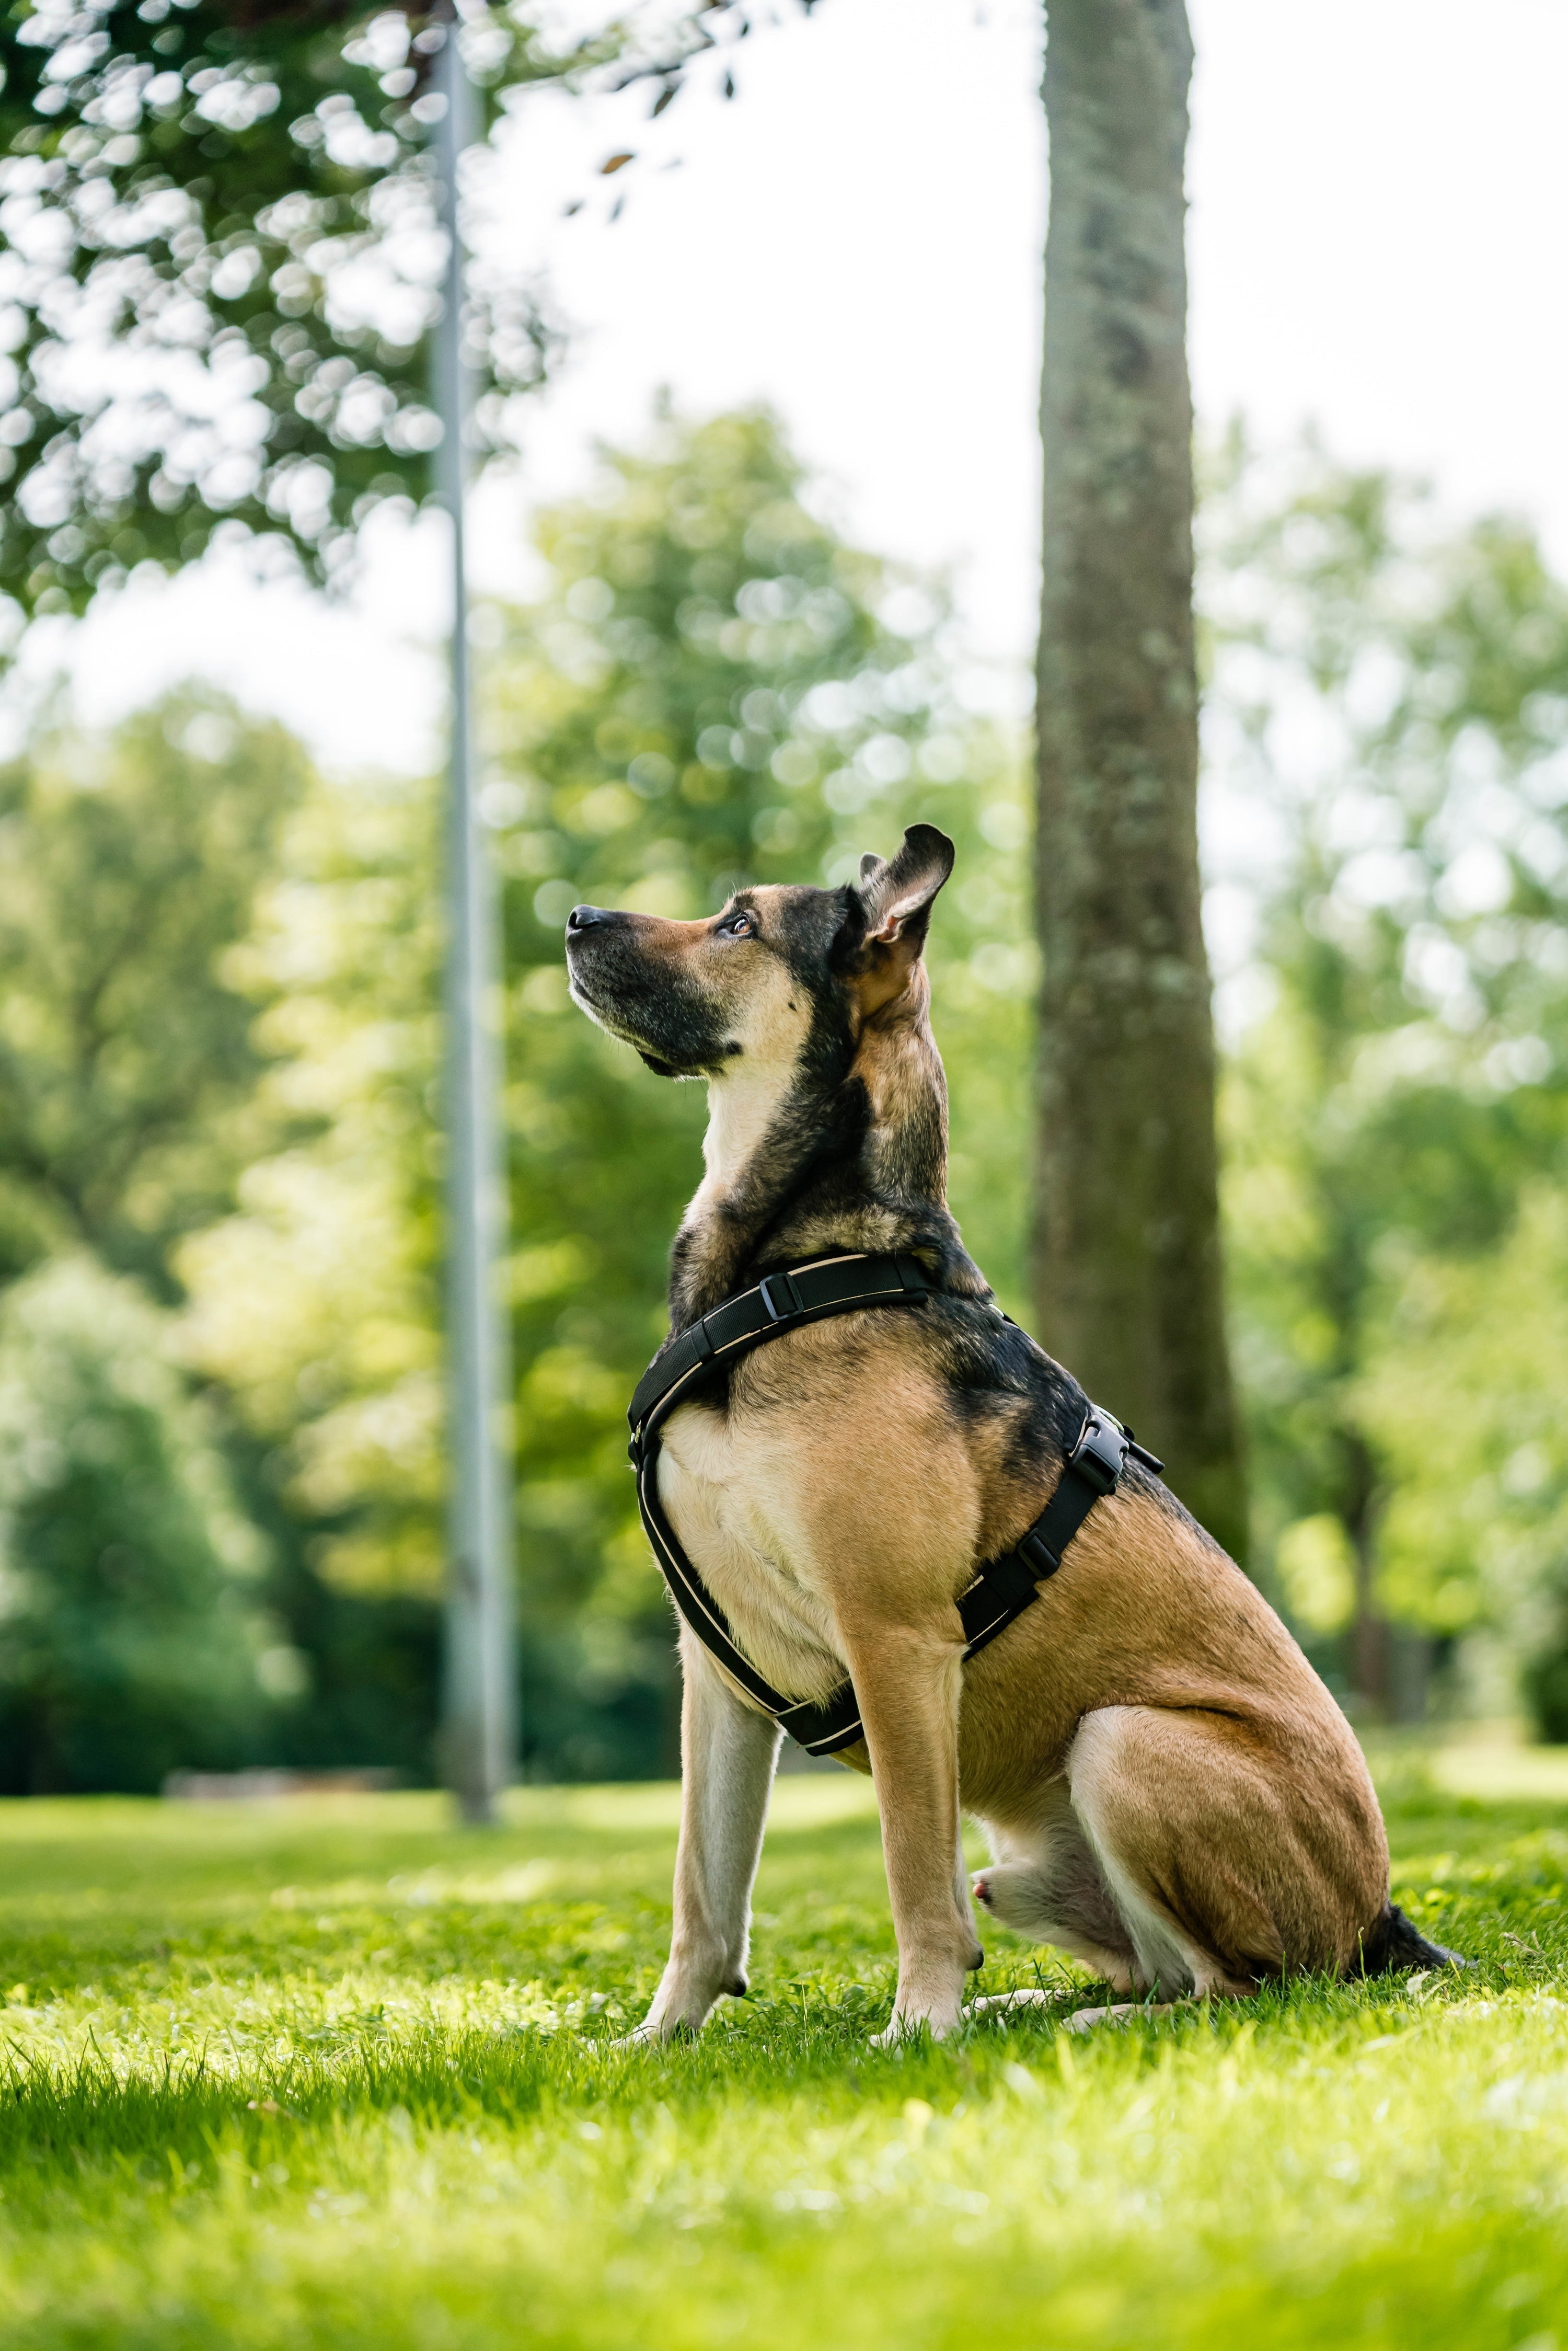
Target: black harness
<point>787,1301</point>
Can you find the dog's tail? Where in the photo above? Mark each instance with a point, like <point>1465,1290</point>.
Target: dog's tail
<point>1391,1947</point>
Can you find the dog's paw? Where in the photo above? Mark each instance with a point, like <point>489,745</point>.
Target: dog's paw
<point>1086,2020</point>
<point>937,2027</point>
<point>996,2004</point>
<point>655,2034</point>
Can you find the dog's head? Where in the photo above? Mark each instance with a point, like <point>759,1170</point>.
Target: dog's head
<point>777,976</point>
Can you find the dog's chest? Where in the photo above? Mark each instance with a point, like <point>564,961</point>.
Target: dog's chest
<point>729,1497</point>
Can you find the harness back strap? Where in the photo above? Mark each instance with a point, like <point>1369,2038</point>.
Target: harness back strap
<point>787,1301</point>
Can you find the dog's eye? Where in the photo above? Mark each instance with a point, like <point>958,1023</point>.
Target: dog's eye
<point>740,925</point>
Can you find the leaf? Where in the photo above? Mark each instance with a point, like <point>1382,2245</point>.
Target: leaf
<point>726,87</point>
<point>671,91</point>
<point>615,163</point>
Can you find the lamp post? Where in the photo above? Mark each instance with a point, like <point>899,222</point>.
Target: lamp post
<point>479,1702</point>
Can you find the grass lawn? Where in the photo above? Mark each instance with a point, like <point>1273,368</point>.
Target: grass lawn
<point>332,2073</point>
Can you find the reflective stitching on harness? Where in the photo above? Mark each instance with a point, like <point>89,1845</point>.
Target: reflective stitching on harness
<point>1000,1592</point>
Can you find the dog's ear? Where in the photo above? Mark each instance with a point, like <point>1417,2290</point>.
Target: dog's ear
<point>897,895</point>
<point>894,900</point>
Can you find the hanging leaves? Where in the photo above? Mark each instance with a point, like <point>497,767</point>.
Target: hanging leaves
<point>215,223</point>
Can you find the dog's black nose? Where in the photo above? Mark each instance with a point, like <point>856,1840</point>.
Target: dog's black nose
<point>582,918</point>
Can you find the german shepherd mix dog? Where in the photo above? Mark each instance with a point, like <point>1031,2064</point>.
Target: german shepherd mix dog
<point>1170,1792</point>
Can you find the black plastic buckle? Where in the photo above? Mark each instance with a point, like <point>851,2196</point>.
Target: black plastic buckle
<point>785,1282</point>
<point>1099,1454</point>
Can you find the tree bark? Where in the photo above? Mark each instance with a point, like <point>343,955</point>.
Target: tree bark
<point>1127,1268</point>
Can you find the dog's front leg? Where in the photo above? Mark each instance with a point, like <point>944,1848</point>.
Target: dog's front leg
<point>728,1755</point>
<point>909,1683</point>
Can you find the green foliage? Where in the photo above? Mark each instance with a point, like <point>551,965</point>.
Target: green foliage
<point>316,1302</point>
<point>219,1057</point>
<point>715,687</point>
<point>341,2073</point>
<point>1396,693</point>
<point>132,1097</point>
<point>717,690</point>
<point>220,268</point>
<point>218,225</point>
<point>128,1645</point>
<point>130,864</point>
<point>1463,1397</point>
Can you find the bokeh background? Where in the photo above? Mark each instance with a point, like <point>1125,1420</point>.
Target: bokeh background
<point>756,590</point>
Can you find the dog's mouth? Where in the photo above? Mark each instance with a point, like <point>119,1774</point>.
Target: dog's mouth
<point>606,1017</point>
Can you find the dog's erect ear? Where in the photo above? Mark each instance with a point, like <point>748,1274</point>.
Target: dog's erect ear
<point>893,902</point>
<point>897,895</point>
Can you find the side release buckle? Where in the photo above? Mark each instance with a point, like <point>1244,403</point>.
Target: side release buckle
<point>1099,1454</point>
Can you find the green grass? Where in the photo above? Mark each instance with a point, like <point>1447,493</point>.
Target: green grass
<point>332,2073</point>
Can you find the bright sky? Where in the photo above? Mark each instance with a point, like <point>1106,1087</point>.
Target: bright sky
<point>1379,217</point>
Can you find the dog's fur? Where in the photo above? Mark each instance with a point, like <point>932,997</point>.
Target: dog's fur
<point>1171,1794</point>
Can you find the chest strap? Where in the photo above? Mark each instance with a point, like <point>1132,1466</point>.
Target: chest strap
<point>787,1301</point>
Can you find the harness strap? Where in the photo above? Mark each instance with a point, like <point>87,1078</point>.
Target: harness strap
<point>787,1301</point>
<point>783,1301</point>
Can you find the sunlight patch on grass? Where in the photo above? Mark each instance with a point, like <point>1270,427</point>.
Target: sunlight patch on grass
<point>339,2073</point>
<point>1501,1774</point>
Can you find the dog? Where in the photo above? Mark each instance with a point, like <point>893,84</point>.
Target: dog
<point>1171,1794</point>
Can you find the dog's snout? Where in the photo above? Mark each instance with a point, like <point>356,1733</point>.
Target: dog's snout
<point>583,918</point>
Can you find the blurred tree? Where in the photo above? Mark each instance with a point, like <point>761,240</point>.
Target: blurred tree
<point>130,862</point>
<point>1462,1405</point>
<point>316,1302</point>
<point>719,690</point>
<point>134,1643</point>
<point>220,268</point>
<point>130,1065</point>
<point>714,687</point>
<point>1395,693</point>
<point>1127,1274</point>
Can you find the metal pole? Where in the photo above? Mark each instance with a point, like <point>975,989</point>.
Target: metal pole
<point>479,1727</point>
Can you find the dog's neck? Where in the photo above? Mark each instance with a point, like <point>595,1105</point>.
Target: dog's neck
<point>845,1151</point>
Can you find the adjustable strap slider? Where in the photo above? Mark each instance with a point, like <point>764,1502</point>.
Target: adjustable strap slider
<point>780,1285</point>
<point>1037,1557</point>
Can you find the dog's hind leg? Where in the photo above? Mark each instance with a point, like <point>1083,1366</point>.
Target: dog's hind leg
<point>1047,1884</point>
<point>1212,1849</point>
<point>728,1753</point>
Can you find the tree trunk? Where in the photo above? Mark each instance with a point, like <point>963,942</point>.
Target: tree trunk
<point>1127,1254</point>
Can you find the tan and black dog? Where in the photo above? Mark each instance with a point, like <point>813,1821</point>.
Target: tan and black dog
<point>1170,1792</point>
